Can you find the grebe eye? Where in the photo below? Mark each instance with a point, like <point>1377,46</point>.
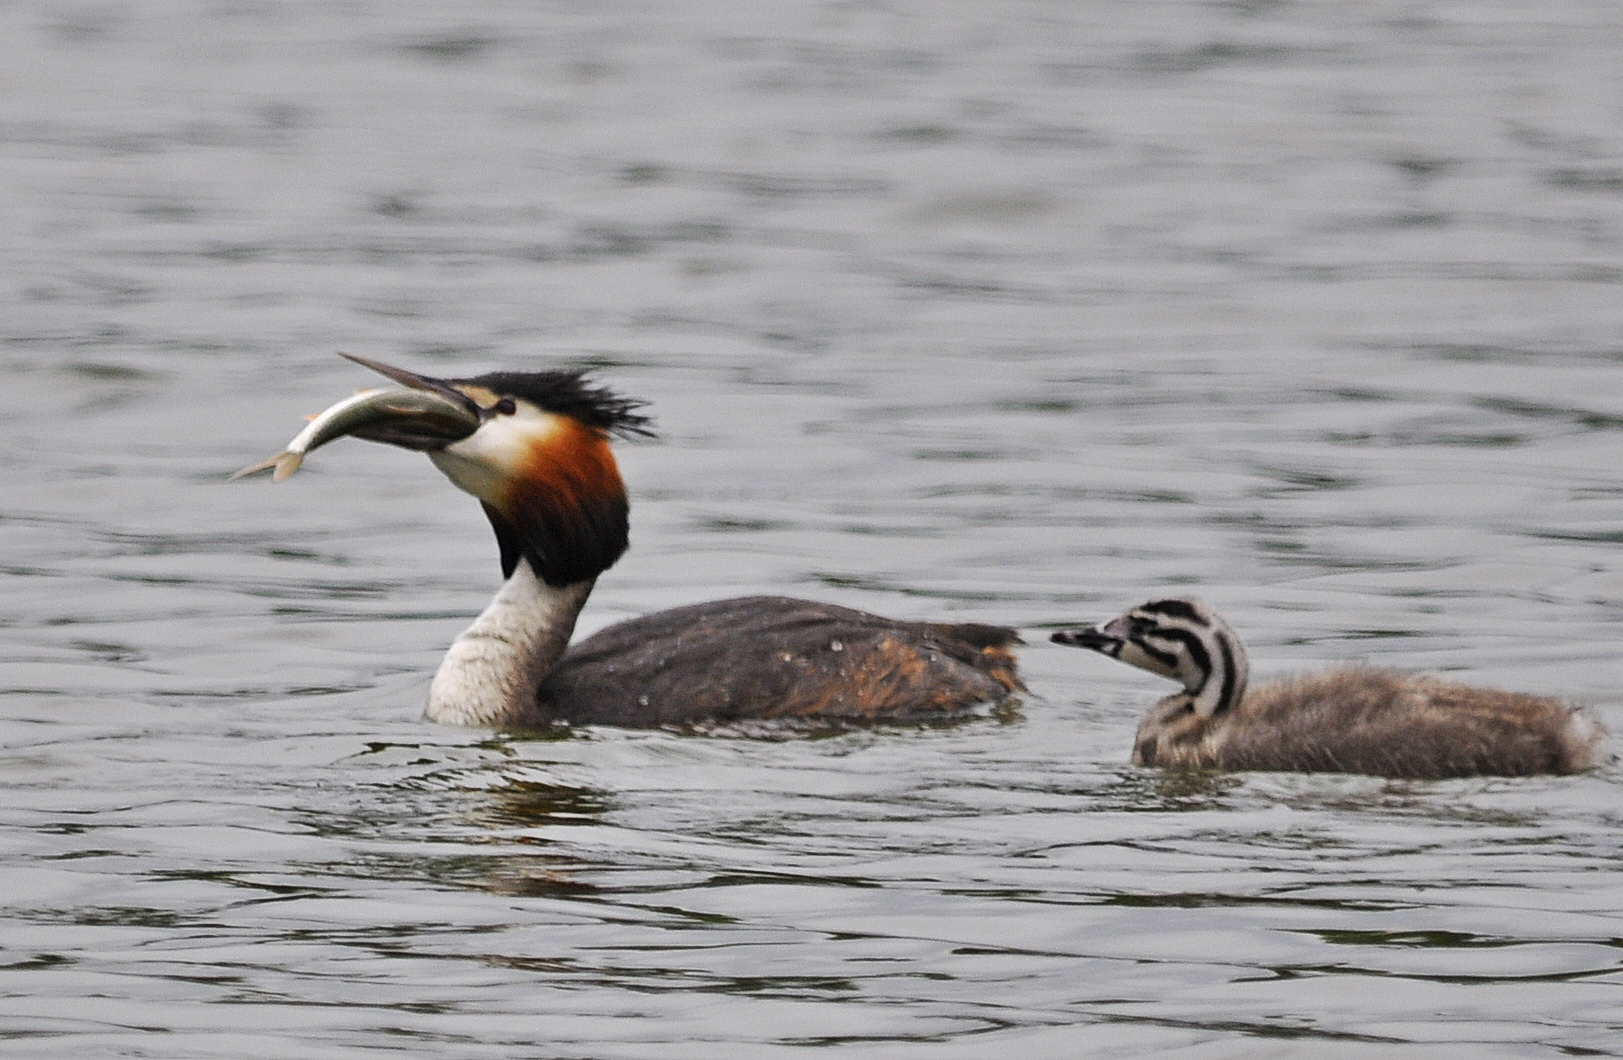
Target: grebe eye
<point>504,407</point>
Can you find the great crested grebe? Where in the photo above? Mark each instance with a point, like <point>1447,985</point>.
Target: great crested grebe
<point>533,447</point>
<point>1347,719</point>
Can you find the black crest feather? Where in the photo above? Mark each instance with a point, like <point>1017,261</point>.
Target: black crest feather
<point>571,392</point>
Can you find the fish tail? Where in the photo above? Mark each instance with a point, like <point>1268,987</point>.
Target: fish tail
<point>286,464</point>
<point>254,469</point>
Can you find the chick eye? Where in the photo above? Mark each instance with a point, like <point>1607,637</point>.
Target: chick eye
<point>504,407</point>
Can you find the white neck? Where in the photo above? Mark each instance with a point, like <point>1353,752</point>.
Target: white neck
<point>495,667</point>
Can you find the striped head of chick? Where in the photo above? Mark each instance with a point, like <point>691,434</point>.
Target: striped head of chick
<point>1187,641</point>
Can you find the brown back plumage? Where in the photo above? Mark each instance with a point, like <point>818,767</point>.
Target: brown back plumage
<point>776,657</point>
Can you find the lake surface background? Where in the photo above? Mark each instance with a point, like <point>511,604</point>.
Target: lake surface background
<point>1015,314</point>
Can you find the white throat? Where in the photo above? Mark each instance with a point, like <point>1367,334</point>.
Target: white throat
<point>494,668</point>
<point>485,462</point>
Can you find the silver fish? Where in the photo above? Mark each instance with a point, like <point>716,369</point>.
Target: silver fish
<point>433,418</point>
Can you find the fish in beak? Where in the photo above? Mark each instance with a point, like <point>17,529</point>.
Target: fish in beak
<point>423,414</point>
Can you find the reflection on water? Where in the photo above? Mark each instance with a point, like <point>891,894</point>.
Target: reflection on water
<point>1017,318</point>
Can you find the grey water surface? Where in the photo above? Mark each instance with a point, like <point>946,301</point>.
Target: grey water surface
<point>1014,313</point>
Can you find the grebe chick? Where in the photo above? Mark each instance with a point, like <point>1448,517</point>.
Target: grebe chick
<point>1347,719</point>
<point>533,447</point>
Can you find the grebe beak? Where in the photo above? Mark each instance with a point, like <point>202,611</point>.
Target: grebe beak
<point>418,382</point>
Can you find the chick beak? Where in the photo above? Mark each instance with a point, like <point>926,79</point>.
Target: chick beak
<point>1093,637</point>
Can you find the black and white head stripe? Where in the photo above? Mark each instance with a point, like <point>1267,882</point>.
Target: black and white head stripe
<point>1177,638</point>
<point>1181,610</point>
